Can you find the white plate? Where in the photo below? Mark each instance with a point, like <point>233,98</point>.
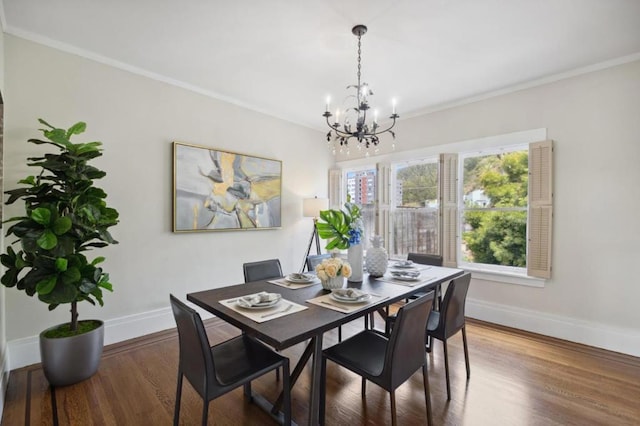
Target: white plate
<point>308,279</point>
<point>343,299</point>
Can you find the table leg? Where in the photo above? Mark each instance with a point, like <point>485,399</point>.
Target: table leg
<point>295,374</point>
<point>316,367</point>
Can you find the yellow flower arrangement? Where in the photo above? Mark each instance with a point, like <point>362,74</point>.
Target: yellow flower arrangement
<point>333,267</point>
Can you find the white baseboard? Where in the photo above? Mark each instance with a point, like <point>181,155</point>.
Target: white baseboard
<point>626,341</point>
<point>26,351</point>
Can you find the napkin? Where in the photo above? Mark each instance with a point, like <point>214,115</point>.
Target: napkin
<point>351,293</point>
<point>258,298</point>
<point>410,274</point>
<point>298,276</point>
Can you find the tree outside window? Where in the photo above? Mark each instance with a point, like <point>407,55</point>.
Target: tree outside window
<point>494,216</point>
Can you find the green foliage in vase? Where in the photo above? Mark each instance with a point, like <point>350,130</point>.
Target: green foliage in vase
<point>65,216</point>
<point>343,228</point>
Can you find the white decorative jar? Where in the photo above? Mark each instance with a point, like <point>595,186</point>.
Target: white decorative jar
<point>333,282</point>
<point>354,257</point>
<point>377,257</point>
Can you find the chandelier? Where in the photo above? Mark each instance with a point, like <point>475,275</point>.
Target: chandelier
<point>355,124</point>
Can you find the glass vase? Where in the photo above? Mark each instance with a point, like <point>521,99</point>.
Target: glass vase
<point>354,257</point>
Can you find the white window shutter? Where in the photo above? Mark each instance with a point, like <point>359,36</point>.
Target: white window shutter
<point>335,188</point>
<point>449,208</point>
<point>540,217</point>
<point>383,203</point>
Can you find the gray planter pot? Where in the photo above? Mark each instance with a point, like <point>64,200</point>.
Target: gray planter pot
<point>70,360</point>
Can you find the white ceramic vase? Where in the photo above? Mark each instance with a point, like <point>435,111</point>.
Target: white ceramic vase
<point>331,283</point>
<point>354,257</point>
<point>376,257</point>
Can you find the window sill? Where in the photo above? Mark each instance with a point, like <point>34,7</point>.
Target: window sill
<point>504,277</point>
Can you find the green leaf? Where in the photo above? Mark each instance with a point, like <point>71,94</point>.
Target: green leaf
<point>47,285</point>
<point>71,276</point>
<point>47,240</point>
<point>29,180</point>
<point>58,136</point>
<point>62,225</point>
<point>41,215</point>
<point>76,129</point>
<point>45,123</point>
<point>97,260</point>
<point>61,264</point>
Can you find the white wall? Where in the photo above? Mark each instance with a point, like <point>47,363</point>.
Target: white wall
<point>4,376</point>
<point>137,119</point>
<point>594,120</point>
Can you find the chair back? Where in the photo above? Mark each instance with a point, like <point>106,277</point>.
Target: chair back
<point>405,351</point>
<point>262,270</point>
<point>452,310</point>
<point>315,259</point>
<point>196,361</point>
<point>425,259</point>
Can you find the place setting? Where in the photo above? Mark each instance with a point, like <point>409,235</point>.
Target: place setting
<point>346,300</point>
<point>407,277</point>
<point>263,306</point>
<point>296,280</point>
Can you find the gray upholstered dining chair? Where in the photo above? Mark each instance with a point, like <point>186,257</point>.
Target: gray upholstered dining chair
<point>314,260</point>
<point>432,260</point>
<point>216,370</point>
<point>262,270</point>
<point>386,361</point>
<point>422,259</point>
<point>449,320</point>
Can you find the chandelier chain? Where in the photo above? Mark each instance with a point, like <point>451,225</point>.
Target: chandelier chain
<point>359,61</point>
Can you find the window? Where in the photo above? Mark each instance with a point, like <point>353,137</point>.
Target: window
<point>414,209</point>
<point>493,209</point>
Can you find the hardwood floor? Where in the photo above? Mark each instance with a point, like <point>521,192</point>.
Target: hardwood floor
<point>517,378</point>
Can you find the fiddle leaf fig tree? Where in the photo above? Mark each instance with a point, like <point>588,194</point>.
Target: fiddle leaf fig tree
<point>65,216</point>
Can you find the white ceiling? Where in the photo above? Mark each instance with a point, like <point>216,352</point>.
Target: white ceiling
<point>283,57</point>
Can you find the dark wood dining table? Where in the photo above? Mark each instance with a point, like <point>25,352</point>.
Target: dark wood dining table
<point>309,324</point>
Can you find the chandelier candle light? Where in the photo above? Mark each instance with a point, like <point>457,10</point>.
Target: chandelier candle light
<point>355,123</point>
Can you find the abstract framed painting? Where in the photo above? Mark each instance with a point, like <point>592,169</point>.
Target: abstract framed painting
<point>215,190</point>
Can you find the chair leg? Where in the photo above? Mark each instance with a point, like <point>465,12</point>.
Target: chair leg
<point>205,411</point>
<point>363,387</point>
<point>466,352</point>
<point>286,387</point>
<point>247,391</point>
<point>323,389</point>
<point>340,333</point>
<point>176,411</point>
<point>427,392</point>
<point>446,368</point>
<point>392,397</point>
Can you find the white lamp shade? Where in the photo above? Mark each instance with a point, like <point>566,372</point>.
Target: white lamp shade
<point>311,206</point>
